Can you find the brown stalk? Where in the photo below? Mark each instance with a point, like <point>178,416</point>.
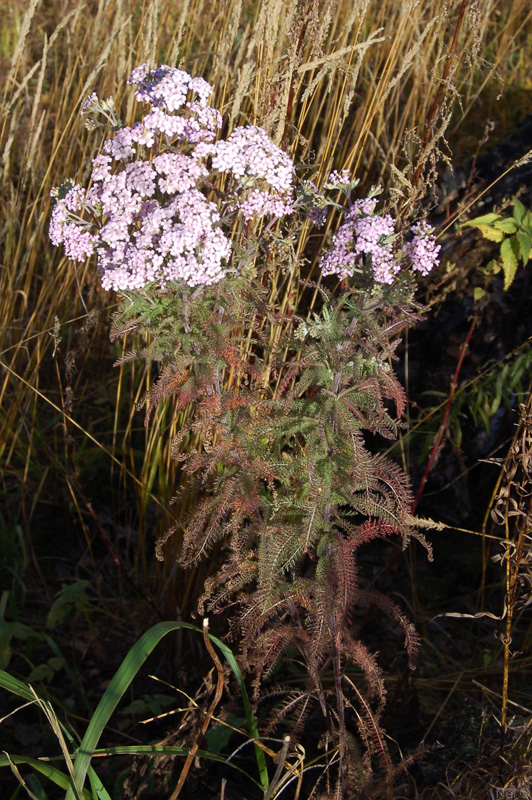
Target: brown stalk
<point>291,91</point>
<point>514,501</point>
<point>208,716</point>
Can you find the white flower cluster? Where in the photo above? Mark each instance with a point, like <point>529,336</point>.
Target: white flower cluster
<point>149,220</point>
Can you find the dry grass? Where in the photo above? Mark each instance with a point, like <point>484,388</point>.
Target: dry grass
<point>343,83</point>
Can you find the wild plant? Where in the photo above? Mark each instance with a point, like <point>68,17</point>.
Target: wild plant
<point>287,482</point>
<point>78,752</point>
<point>514,234</point>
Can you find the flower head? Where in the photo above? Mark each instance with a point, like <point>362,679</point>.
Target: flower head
<point>364,238</point>
<point>150,220</point>
<point>423,250</point>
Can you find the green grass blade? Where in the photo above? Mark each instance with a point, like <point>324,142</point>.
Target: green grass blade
<point>99,792</point>
<point>59,778</point>
<point>169,750</point>
<point>122,679</point>
<point>15,686</point>
<point>252,725</point>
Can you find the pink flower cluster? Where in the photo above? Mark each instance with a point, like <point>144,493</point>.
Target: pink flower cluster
<point>68,229</point>
<point>252,158</point>
<point>367,239</point>
<point>149,220</point>
<point>423,250</point>
<point>363,235</point>
<point>165,89</point>
<point>342,178</point>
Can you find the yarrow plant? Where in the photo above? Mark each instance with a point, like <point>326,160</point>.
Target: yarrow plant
<point>187,226</point>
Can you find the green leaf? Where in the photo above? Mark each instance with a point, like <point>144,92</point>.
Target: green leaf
<point>509,262</point>
<point>148,703</point>
<point>515,380</point>
<point>492,267</point>
<point>45,768</point>
<point>99,791</point>
<point>486,219</point>
<point>42,672</point>
<point>525,244</point>
<point>15,686</point>
<point>122,679</point>
<point>526,223</point>
<point>218,737</point>
<point>71,598</point>
<point>490,233</point>
<point>506,225</point>
<point>138,706</point>
<point>118,686</point>
<point>457,433</point>
<point>519,211</point>
<point>56,663</point>
<point>484,417</point>
<point>33,786</point>
<point>170,750</point>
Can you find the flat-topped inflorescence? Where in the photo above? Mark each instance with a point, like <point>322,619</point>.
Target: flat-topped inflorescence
<point>149,215</point>
<point>367,240</point>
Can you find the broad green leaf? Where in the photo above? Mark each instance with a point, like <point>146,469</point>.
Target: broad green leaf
<point>492,234</point>
<point>486,219</point>
<point>525,244</point>
<point>519,211</point>
<point>42,672</point>
<point>509,262</point>
<point>71,598</point>
<point>506,225</point>
<point>149,703</point>
<point>218,736</point>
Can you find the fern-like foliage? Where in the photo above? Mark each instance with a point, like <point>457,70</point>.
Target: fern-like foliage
<point>284,475</point>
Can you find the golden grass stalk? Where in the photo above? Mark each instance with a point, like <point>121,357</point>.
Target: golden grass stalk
<point>346,83</point>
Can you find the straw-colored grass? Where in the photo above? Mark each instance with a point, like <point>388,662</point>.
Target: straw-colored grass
<point>339,83</point>
<point>342,84</point>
